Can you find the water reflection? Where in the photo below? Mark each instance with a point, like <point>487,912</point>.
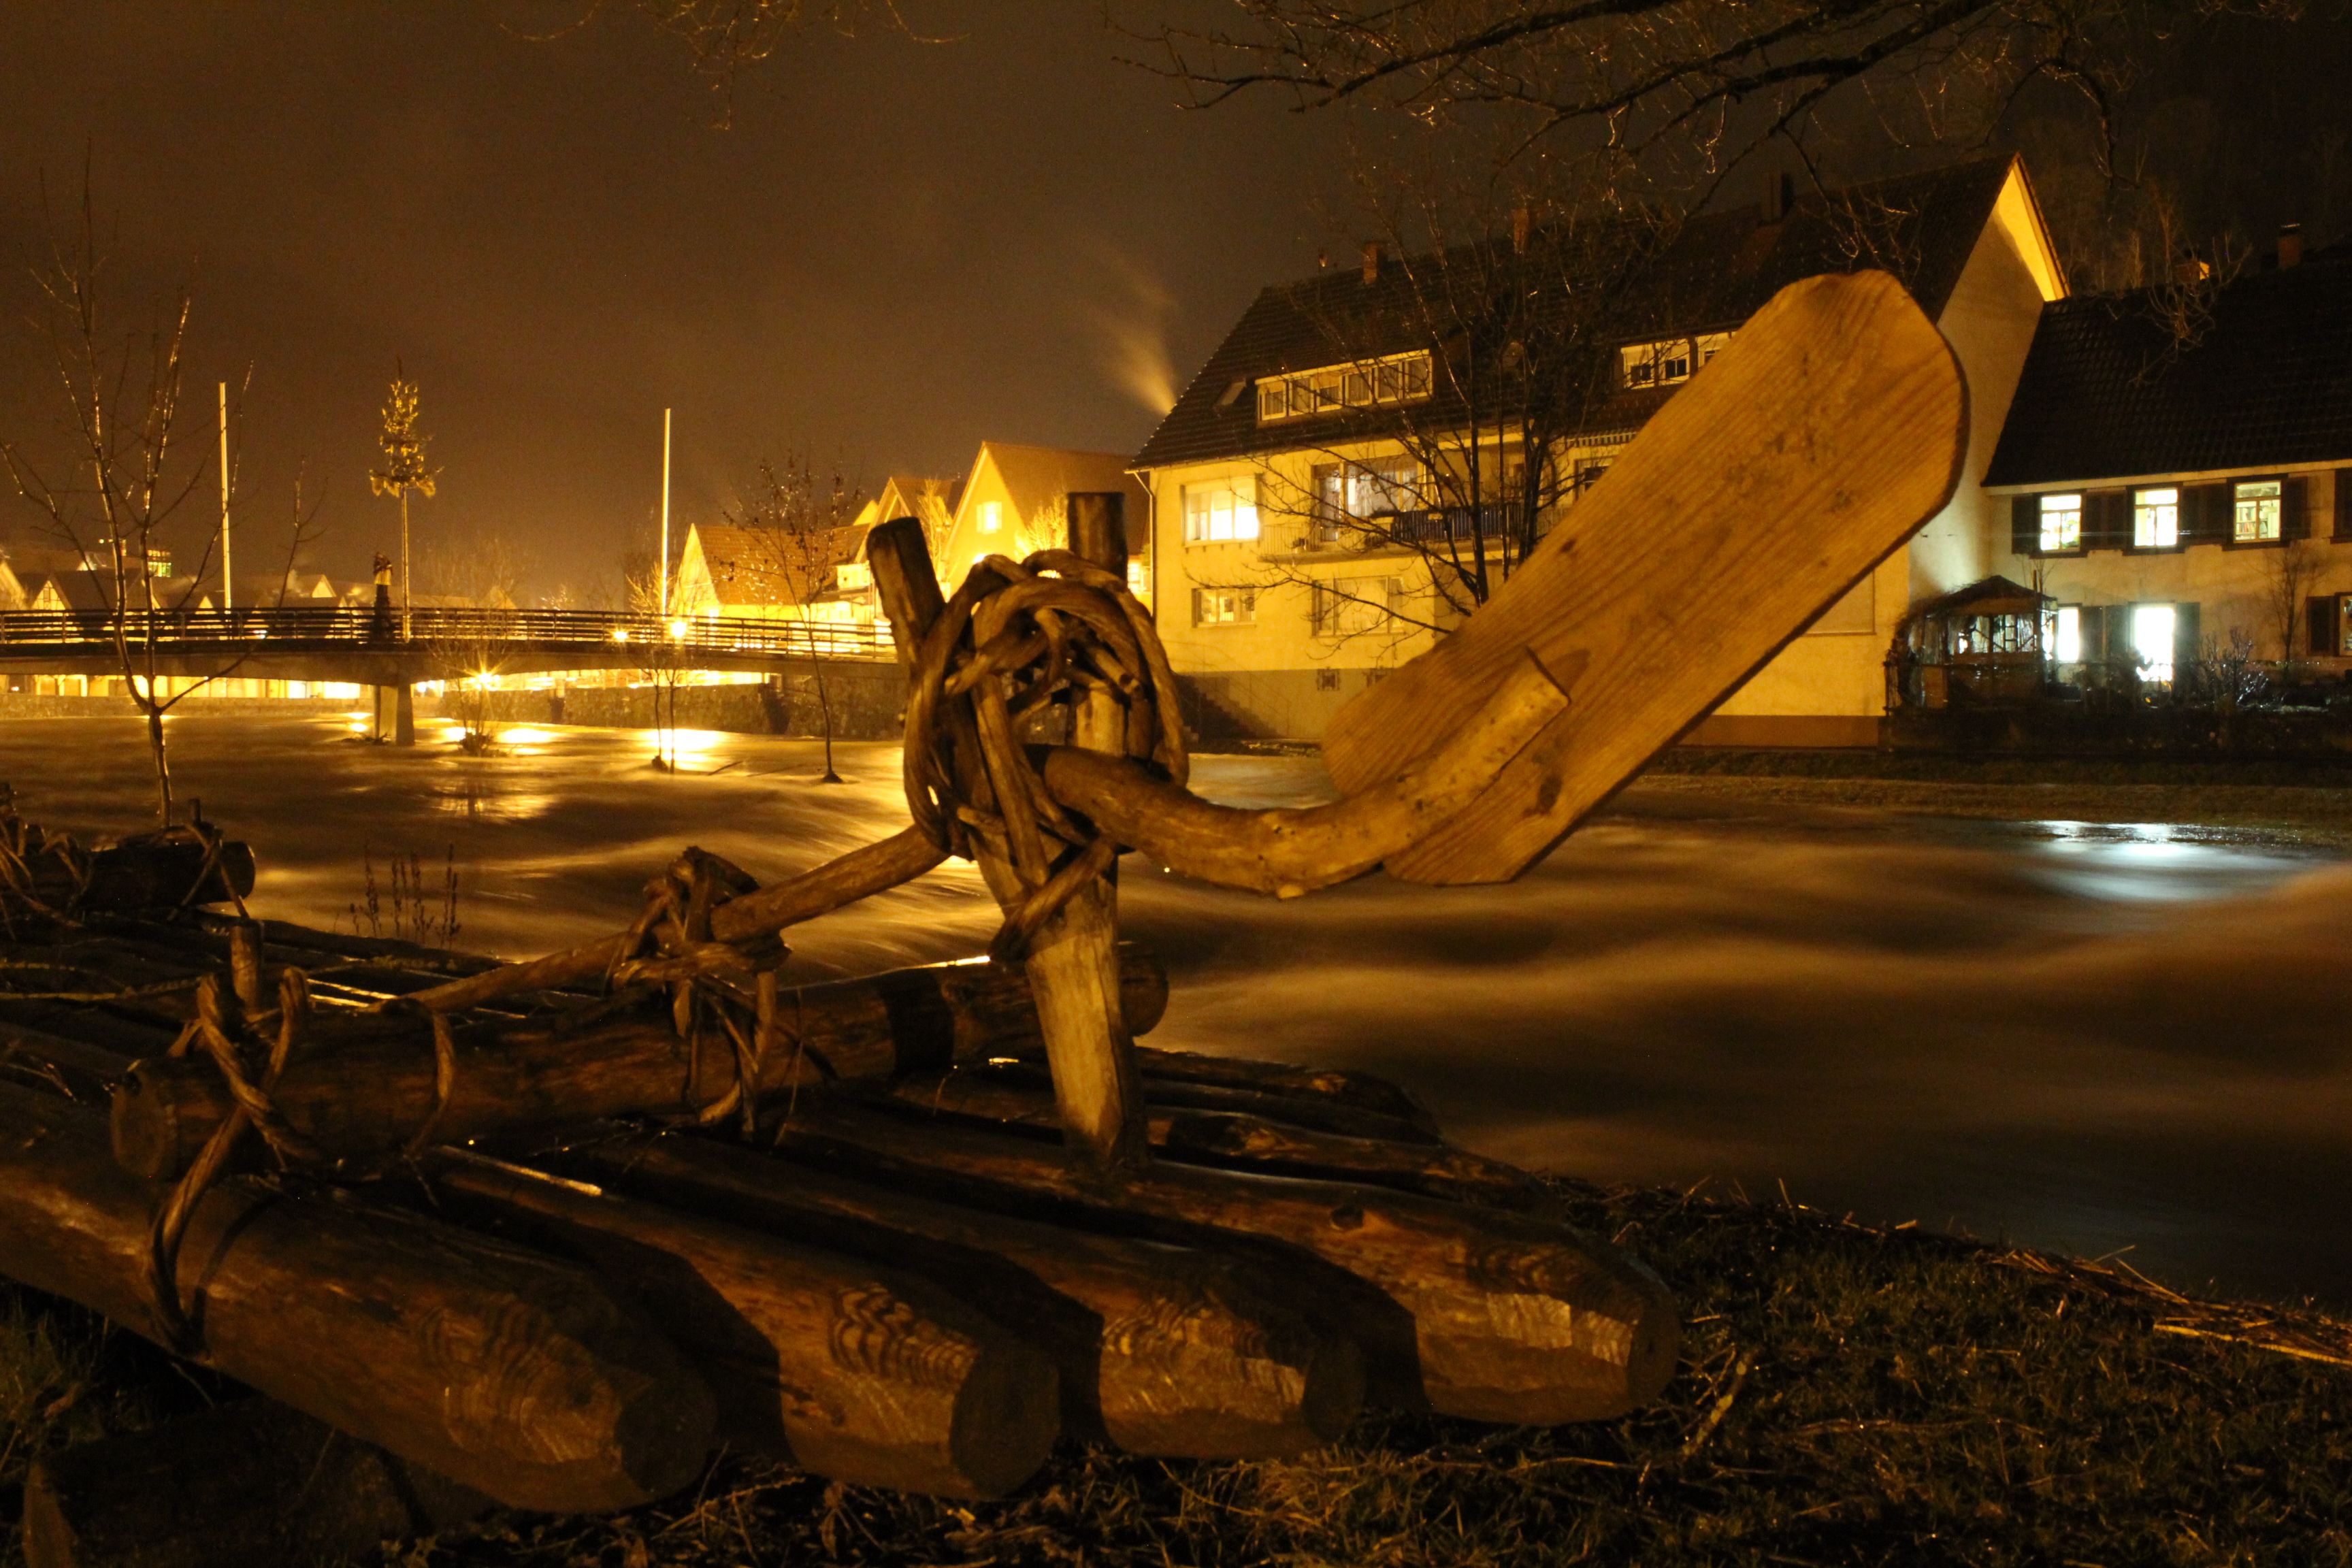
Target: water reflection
<point>2080,1035</point>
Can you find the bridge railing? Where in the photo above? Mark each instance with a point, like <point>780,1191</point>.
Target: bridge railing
<point>670,643</point>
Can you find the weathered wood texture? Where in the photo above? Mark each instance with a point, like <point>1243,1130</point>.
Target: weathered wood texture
<point>501,1369</point>
<point>1256,1139</point>
<point>1070,958</point>
<point>158,870</point>
<point>1171,1351</point>
<point>367,1085</point>
<point>250,1485</point>
<point>1513,1318</point>
<point>1288,852</point>
<point>857,1372</point>
<point>1305,1087</point>
<point>1799,458</point>
<point>875,869</point>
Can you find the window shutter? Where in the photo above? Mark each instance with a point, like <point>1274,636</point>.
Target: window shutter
<point>2205,512</point>
<point>2101,511</point>
<point>2024,524</point>
<point>2294,512</point>
<point>1196,606</point>
<point>2188,633</point>
<point>2344,504</point>
<point>2326,615</point>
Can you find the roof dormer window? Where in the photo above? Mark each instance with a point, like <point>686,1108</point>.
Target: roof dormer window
<point>1363,384</point>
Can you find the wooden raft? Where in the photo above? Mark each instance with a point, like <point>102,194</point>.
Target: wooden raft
<point>554,1232</point>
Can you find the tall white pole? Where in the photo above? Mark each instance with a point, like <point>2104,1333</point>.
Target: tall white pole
<point>226,591</point>
<point>664,591</point>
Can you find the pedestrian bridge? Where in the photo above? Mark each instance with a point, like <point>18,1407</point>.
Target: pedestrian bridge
<point>370,647</point>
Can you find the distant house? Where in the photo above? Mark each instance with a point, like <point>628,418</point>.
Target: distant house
<point>772,573</point>
<point>1292,426</point>
<point>1014,502</point>
<point>2178,482</point>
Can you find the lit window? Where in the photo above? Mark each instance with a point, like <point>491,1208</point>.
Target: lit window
<point>1353,604</point>
<point>1223,606</point>
<point>1397,378</point>
<point>991,516</point>
<point>1220,510</point>
<point>2152,628</point>
<point>1351,492</point>
<point>1668,361</point>
<point>2155,519</point>
<point>2061,522</point>
<point>2067,640</point>
<point>2259,510</point>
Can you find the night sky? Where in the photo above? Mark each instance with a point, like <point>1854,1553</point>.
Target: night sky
<point>898,249</point>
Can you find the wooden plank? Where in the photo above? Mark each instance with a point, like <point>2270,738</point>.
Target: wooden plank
<point>1073,963</point>
<point>1803,455</point>
<point>1243,1141</point>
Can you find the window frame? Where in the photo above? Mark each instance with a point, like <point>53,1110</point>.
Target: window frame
<point>1382,382</point>
<point>2139,508</point>
<point>1234,487</point>
<point>2278,534</point>
<point>1239,607</point>
<point>2042,515</point>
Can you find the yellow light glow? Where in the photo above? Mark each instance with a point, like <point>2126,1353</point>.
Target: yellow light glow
<point>620,634</point>
<point>525,737</point>
<point>677,630</point>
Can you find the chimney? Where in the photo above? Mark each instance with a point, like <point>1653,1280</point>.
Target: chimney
<point>1780,194</point>
<point>1523,223</point>
<point>1371,261</point>
<point>2290,245</point>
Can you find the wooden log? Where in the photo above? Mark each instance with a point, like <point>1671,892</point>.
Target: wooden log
<point>1170,1351</point>
<point>1238,1139</point>
<point>501,1369</point>
<point>1799,458</point>
<point>1514,1319</point>
<point>1289,851</point>
<point>1334,1097</point>
<point>367,1085</point>
<point>158,870</point>
<point>861,873</point>
<point>858,1373</point>
<point>247,1485</point>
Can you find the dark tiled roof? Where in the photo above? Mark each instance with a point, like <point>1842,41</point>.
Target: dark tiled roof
<point>2268,384</point>
<point>1718,270</point>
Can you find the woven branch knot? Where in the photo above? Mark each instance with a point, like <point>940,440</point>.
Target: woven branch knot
<point>1019,649</point>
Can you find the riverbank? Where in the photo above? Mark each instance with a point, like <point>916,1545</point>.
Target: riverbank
<point>1848,1395</point>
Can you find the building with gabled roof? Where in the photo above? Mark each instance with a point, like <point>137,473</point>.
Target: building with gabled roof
<point>2178,463</point>
<point>1312,407</point>
<point>1013,504</point>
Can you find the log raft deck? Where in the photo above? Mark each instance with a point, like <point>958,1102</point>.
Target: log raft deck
<point>551,1232</point>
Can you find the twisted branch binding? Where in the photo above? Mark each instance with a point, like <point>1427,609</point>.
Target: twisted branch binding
<point>1012,642</point>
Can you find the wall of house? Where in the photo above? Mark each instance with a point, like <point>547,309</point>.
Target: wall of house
<point>1837,669</point>
<point>1274,675</point>
<point>2235,586</point>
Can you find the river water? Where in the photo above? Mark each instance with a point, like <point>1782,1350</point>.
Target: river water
<point>2098,1038</point>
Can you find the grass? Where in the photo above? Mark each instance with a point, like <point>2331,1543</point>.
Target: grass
<point>1849,1395</point>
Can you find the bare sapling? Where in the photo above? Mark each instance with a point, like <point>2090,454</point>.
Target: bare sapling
<point>800,533</point>
<point>114,499</point>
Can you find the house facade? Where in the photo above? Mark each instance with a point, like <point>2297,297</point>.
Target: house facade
<point>1014,502</point>
<point>1297,535</point>
<point>2178,471</point>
